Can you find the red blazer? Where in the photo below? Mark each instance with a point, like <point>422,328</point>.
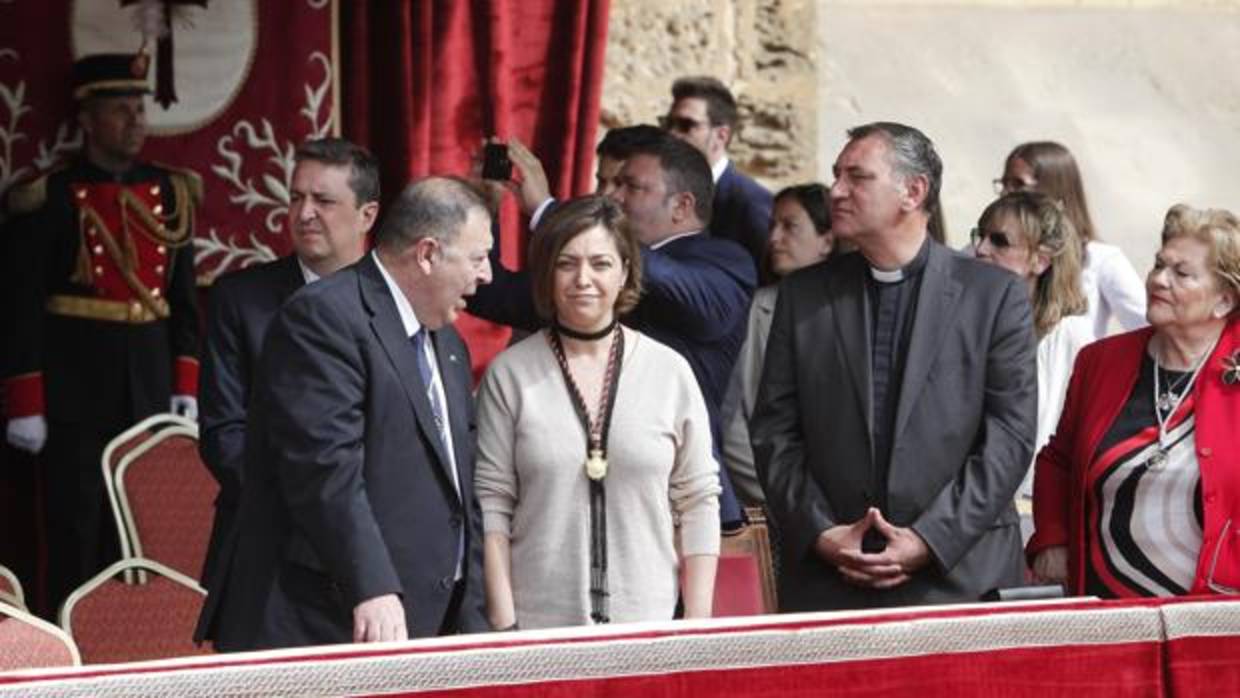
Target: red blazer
<point>1102,380</point>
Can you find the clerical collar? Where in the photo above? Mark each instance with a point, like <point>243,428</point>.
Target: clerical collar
<point>913,268</point>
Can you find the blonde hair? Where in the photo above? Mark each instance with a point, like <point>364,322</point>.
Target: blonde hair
<point>1219,229</point>
<point>1048,230</point>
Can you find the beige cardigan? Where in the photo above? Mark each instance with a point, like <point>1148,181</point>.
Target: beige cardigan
<point>531,484</point>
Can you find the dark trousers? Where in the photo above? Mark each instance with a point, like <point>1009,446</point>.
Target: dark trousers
<point>22,536</point>
<point>81,529</point>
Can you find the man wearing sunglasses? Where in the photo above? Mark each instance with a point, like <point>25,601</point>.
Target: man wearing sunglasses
<point>704,115</point>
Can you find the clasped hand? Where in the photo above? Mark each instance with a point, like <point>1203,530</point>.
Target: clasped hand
<point>906,552</point>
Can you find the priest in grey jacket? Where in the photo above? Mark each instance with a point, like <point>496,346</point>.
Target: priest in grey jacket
<point>897,412</point>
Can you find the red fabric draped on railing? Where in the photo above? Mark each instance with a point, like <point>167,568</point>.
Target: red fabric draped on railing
<point>424,82</point>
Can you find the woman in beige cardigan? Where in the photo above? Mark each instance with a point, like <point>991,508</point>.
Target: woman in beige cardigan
<point>595,475</point>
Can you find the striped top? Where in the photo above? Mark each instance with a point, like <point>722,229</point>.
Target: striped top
<point>1143,513</point>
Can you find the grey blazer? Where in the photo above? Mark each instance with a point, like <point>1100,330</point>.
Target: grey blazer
<point>963,434</point>
<point>742,393</point>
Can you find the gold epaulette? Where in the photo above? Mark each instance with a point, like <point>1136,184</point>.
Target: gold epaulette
<point>30,195</point>
<point>190,179</point>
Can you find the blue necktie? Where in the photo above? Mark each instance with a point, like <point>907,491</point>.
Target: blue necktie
<point>419,340</point>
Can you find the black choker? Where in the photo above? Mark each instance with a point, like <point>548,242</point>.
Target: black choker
<point>584,336</point>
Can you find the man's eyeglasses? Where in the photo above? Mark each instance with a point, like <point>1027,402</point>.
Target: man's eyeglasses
<point>998,240</point>
<point>679,124</point>
<point>1004,185</point>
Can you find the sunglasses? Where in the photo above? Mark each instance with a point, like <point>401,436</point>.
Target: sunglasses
<point>1008,184</point>
<point>679,124</point>
<point>998,240</point>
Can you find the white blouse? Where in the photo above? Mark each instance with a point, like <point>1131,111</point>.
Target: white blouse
<point>1113,287</point>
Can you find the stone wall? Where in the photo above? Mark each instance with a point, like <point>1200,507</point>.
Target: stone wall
<point>1146,93</point>
<point>763,49</point>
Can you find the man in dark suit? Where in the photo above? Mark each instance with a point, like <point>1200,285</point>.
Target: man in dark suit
<point>105,321</point>
<point>696,288</point>
<point>704,115</point>
<point>333,202</point>
<point>358,520</point>
<point>896,416</point>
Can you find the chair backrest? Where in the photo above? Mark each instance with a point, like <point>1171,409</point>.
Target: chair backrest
<point>167,499</point>
<point>112,621</point>
<point>27,642</point>
<point>11,589</point>
<point>117,448</point>
<point>745,579</point>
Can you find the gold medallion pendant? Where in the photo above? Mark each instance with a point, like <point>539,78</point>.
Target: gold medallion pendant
<point>596,465</point>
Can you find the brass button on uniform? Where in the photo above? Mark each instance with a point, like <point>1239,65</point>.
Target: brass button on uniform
<point>97,249</point>
<point>159,208</point>
<point>98,271</point>
<point>155,292</point>
<point>155,190</point>
<point>81,193</point>
<point>162,250</point>
<point>159,268</point>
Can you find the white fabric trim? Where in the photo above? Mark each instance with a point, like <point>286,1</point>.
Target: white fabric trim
<point>585,653</point>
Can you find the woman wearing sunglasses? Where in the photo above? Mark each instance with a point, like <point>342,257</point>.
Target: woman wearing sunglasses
<point>1111,285</point>
<point>1138,491</point>
<point>1030,235</point>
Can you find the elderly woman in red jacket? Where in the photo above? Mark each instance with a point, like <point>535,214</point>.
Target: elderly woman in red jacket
<point>1138,491</point>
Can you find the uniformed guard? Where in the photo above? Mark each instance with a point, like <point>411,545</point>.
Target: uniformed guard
<point>106,321</point>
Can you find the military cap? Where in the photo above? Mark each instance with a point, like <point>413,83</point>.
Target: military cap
<point>110,75</point>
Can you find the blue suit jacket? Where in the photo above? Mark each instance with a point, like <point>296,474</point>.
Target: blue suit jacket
<point>242,304</point>
<point>348,491</point>
<point>742,212</point>
<point>695,299</point>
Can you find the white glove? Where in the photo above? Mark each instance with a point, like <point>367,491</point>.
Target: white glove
<point>27,433</point>
<point>185,406</point>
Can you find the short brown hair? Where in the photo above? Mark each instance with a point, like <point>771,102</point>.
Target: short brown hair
<point>363,168</point>
<point>720,104</point>
<point>566,222</point>
<point>1219,229</point>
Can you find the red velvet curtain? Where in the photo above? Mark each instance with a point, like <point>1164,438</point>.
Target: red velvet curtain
<point>423,81</point>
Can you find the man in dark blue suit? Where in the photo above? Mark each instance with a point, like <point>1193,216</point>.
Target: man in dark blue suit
<point>704,115</point>
<point>358,520</point>
<point>333,203</point>
<point>696,287</point>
